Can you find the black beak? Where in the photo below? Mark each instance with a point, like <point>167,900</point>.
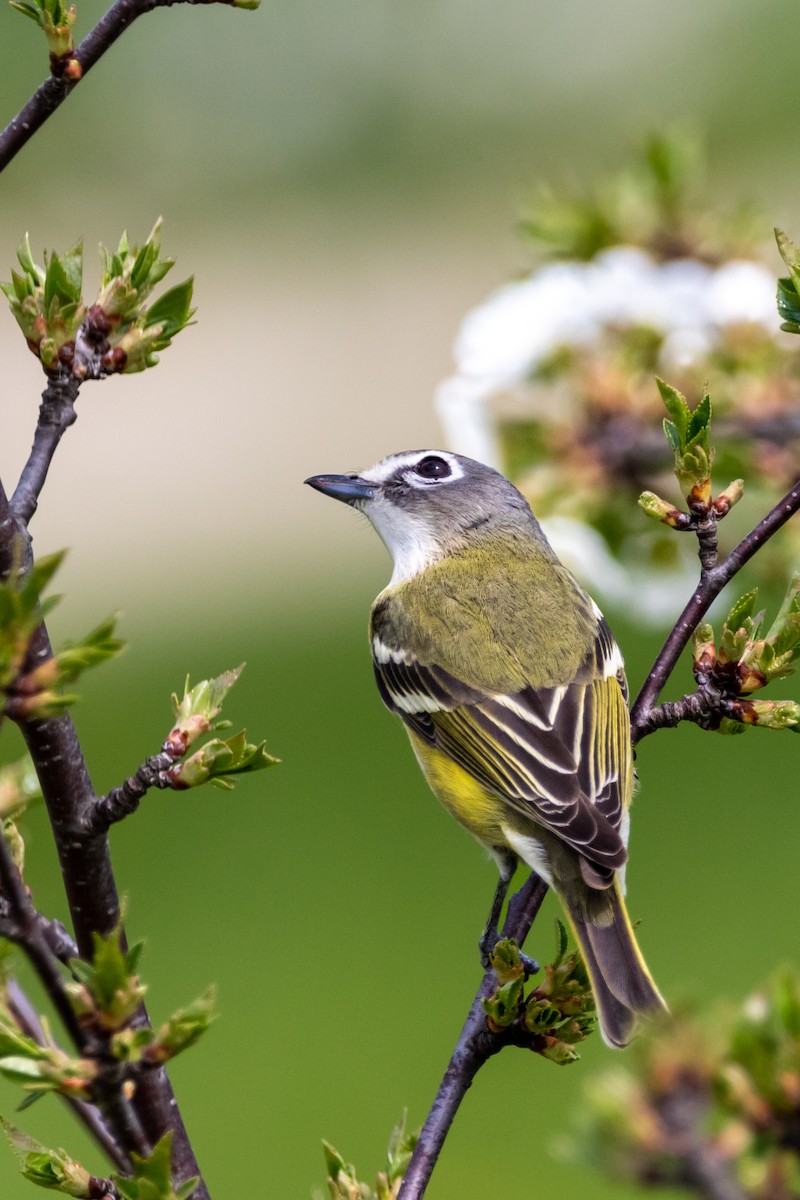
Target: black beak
<point>349,488</point>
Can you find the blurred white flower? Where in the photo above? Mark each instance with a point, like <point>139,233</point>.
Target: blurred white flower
<point>687,304</point>
<point>504,339</point>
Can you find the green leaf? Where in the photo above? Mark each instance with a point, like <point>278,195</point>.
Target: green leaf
<point>110,981</point>
<point>152,1179</point>
<point>197,710</point>
<point>52,1169</point>
<point>96,647</point>
<point>183,1029</point>
<point>678,409</point>
<point>741,610</point>
<point>172,311</point>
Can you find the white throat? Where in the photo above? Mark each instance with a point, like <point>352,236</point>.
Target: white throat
<point>411,543</point>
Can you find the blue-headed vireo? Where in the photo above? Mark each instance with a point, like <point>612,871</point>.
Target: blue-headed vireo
<point>512,690</point>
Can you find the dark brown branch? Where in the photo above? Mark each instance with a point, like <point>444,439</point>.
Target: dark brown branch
<point>92,893</point>
<point>122,801</point>
<point>21,925</point>
<point>56,414</point>
<point>26,1018</point>
<point>476,1044</point>
<point>89,880</point>
<point>54,91</point>
<point>706,592</point>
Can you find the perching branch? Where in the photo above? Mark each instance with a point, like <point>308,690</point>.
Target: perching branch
<point>476,1044</point>
<point>54,91</point>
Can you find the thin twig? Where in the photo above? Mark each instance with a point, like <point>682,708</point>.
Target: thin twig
<point>22,927</point>
<point>475,1045</point>
<point>54,91</point>
<point>706,592</point>
<point>56,414</point>
<point>124,800</point>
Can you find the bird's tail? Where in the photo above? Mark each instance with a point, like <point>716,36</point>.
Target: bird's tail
<point>622,985</point>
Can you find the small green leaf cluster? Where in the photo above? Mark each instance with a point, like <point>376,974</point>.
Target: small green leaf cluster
<point>152,1177</point>
<point>182,1030</point>
<point>748,658</point>
<point>121,332</point>
<point>688,432</point>
<point>35,693</point>
<point>789,286</point>
<point>53,1169</point>
<point>135,332</point>
<point>343,1182</point>
<point>46,303</point>
<point>556,1014</point>
<point>42,1069</point>
<point>106,994</point>
<point>219,758</point>
<point>56,20</point>
<point>727,1087</point>
<point>19,787</point>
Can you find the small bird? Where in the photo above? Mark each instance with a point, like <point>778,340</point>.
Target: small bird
<point>512,691</point>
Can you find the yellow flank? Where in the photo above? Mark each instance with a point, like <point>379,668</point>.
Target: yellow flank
<point>476,809</point>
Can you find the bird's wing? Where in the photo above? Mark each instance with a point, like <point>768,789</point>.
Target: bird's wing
<point>560,755</point>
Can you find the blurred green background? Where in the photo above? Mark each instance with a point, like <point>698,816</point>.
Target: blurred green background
<point>344,181</point>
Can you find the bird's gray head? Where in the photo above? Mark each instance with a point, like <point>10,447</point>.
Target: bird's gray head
<point>427,503</point>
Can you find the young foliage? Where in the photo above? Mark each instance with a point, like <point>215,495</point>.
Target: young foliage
<point>56,20</point>
<point>107,992</point>
<point>152,1178</point>
<point>35,694</point>
<point>46,302</point>
<point>135,332</point>
<point>53,1169</point>
<point>198,708</point>
<point>218,759</point>
<point>121,332</point>
<point>789,286</point>
<point>688,433</point>
<point>557,1013</point>
<point>747,659</point>
<point>343,1182</point>
<point>182,1030</point>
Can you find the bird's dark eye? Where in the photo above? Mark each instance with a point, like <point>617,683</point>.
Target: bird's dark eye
<point>432,467</point>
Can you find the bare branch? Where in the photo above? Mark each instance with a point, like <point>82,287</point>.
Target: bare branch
<point>54,91</point>
<point>56,414</point>
<point>122,801</point>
